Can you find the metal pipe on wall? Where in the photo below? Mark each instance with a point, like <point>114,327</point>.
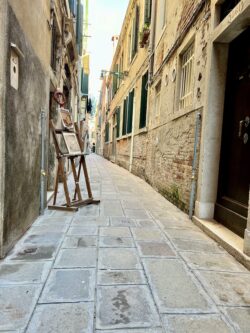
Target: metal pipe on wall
<point>43,172</point>
<point>152,41</point>
<point>194,164</point>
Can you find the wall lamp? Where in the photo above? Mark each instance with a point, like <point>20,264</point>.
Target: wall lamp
<point>120,75</point>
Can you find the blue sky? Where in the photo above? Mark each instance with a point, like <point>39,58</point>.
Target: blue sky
<point>105,19</point>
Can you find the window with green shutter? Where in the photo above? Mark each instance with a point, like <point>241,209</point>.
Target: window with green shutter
<point>135,32</point>
<point>107,132</point>
<point>124,119</point>
<point>79,27</point>
<point>144,100</point>
<point>147,11</point>
<point>114,85</point>
<point>118,112</point>
<point>130,111</point>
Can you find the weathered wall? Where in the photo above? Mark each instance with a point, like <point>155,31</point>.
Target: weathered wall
<point>163,151</point>
<point>22,112</point>
<point>3,48</point>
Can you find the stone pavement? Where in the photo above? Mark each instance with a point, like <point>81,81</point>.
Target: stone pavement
<point>134,263</point>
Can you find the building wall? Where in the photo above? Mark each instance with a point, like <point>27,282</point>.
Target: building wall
<point>22,109</point>
<point>162,152</point>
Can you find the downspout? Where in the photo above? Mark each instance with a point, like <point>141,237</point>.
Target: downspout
<point>194,165</point>
<point>151,49</point>
<point>132,138</point>
<point>43,172</point>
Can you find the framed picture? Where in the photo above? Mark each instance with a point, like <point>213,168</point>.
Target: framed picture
<point>71,143</point>
<point>67,119</point>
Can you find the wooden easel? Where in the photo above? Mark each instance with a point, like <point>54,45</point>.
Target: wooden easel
<point>71,205</point>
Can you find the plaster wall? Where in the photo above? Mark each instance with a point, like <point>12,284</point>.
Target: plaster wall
<point>22,133</point>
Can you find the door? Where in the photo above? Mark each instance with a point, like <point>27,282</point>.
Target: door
<point>234,176</point>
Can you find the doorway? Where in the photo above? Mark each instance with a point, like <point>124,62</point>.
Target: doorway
<point>234,174</point>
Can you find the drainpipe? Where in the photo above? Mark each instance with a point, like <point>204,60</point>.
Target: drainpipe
<point>194,164</point>
<point>43,172</point>
<point>151,48</point>
<point>132,137</point>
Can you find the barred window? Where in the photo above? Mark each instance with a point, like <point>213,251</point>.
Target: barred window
<point>186,85</point>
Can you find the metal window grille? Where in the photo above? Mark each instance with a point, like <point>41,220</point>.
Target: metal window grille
<point>186,86</point>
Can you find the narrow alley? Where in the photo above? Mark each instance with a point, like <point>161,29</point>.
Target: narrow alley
<point>135,263</point>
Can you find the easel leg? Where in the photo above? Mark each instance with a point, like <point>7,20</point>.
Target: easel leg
<point>66,191</point>
<point>83,162</point>
<point>77,187</point>
<point>56,185</point>
<point>78,177</point>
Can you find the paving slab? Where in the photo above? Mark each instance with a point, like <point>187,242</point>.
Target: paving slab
<point>84,221</point>
<point>23,272</point>
<point>125,307</point>
<point>174,288</point>
<point>153,249</point>
<point>172,222</point>
<point>213,261</point>
<point>62,318</point>
<point>227,288</point>
<point>132,204</point>
<point>44,220</point>
<point>148,234</point>
<point>114,277</point>
<point>206,246</point>
<point>16,305</point>
<point>32,253</point>
<point>90,210</point>
<point>116,242</point>
<point>88,231</point>
<point>145,223</point>
<point>115,232</point>
<point>240,318</point>
<point>111,208</point>
<point>72,242</point>
<point>143,330</point>
<point>122,222</point>
<point>136,213</point>
<point>119,258</point>
<point>79,257</point>
<point>186,234</point>
<point>196,324</point>
<point>69,285</point>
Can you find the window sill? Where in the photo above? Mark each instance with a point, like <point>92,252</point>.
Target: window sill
<point>126,136</point>
<point>143,130</point>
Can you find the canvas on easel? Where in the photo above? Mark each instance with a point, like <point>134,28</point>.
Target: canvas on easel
<point>66,119</point>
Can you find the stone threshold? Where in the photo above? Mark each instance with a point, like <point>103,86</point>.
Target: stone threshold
<point>231,242</point>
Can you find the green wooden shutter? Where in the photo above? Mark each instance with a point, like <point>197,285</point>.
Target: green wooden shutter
<point>114,86</point>
<point>147,11</point>
<point>118,122</point>
<point>73,7</point>
<point>144,99</point>
<point>130,111</point>
<point>79,27</point>
<point>124,120</point>
<point>135,32</point>
<point>107,132</point>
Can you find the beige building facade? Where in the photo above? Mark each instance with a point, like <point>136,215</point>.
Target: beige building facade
<point>181,73</point>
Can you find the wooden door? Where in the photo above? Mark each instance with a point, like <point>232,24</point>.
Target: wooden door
<point>234,176</point>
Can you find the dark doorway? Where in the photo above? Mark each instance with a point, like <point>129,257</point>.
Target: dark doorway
<point>234,177</point>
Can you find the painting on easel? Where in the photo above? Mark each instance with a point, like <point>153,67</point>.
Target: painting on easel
<point>66,119</point>
<point>72,143</point>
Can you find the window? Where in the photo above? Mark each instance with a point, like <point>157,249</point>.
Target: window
<point>53,44</point>
<point>147,11</point>
<point>226,7</point>
<point>114,81</point>
<point>118,111</point>
<point>135,34</point>
<point>161,17</point>
<point>124,122</point>
<point>107,132</point>
<point>128,106</point>
<point>186,83</point>
<point>157,98</point>
<point>130,111</point>
<point>144,99</point>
